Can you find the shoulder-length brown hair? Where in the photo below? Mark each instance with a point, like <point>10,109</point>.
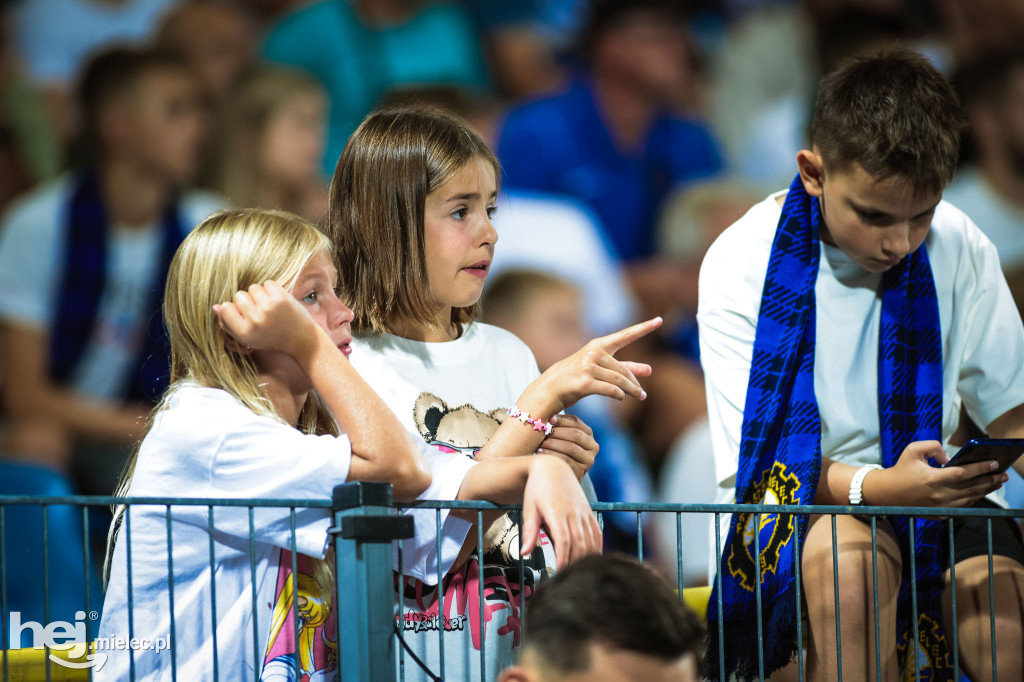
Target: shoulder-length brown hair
<point>377,203</point>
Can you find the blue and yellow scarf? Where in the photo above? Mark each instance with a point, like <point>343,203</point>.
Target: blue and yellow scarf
<point>780,450</point>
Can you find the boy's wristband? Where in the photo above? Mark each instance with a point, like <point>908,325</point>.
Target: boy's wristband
<point>857,483</point>
<point>537,424</point>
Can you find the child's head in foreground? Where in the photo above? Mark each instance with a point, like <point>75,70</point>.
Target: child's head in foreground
<point>410,207</point>
<point>886,140</point>
<point>607,618</point>
<point>228,252</point>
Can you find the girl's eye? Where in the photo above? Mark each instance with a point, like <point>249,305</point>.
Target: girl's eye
<point>310,298</point>
<point>459,214</point>
<point>491,210</point>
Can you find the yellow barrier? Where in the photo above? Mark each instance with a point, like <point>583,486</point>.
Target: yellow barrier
<point>29,664</point>
<point>697,599</point>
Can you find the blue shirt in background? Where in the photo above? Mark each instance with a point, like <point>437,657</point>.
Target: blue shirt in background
<point>561,144</point>
<point>358,63</point>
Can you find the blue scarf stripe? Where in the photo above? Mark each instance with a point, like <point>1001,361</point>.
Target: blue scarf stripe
<point>82,285</point>
<point>780,448</point>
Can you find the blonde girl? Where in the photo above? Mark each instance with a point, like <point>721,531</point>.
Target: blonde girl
<point>410,207</point>
<point>263,404</point>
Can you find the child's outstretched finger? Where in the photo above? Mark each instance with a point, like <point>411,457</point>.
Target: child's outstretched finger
<point>622,338</point>
<point>639,369</point>
<point>595,532</point>
<point>619,385</point>
<point>530,530</point>
<point>609,362</point>
<point>560,538</point>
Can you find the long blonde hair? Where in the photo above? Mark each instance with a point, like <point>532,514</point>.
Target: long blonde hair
<point>229,251</point>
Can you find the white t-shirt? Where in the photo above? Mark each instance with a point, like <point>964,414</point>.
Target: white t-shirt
<point>454,395</point>
<point>536,231</point>
<point>206,444</point>
<point>31,267</point>
<point>1001,221</point>
<point>982,336</point>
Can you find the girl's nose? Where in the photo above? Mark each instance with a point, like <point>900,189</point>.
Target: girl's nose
<point>488,235</point>
<point>341,314</point>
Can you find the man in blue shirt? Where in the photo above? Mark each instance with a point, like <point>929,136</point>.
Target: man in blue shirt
<point>615,138</point>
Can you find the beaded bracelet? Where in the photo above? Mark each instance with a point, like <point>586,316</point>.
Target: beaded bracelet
<point>537,424</point>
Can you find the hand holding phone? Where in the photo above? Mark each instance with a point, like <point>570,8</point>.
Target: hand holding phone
<point>1005,451</point>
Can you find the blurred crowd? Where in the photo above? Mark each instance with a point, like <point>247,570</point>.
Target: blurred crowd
<point>630,133</point>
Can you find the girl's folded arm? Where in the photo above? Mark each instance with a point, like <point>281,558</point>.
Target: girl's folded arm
<point>382,450</point>
<point>551,496</point>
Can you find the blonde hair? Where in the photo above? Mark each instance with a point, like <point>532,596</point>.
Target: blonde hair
<point>237,140</point>
<point>229,251</point>
<point>378,196</point>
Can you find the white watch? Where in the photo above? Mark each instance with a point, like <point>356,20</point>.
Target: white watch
<point>857,483</point>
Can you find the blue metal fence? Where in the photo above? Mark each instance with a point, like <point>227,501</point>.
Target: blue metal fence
<point>370,624</point>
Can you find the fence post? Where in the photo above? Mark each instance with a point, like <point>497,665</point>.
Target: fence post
<point>364,527</point>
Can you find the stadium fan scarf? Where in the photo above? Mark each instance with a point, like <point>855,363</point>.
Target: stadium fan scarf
<point>780,451</point>
<point>82,284</point>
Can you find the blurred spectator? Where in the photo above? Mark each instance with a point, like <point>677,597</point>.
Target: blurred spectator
<point>268,141</point>
<point>765,74</point>
<point>692,219</point>
<point>614,139</point>
<point>546,312</point>
<point>360,48</point>
<point>82,268</point>
<point>54,38</point>
<point>217,37</point>
<point>608,618</point>
<point>525,219</point>
<point>991,190</point>
<point>523,53</point>
<point>980,25</point>
<point>29,148</point>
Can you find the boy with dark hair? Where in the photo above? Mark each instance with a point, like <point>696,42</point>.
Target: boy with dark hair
<point>83,263</point>
<point>607,618</point>
<point>842,324</point>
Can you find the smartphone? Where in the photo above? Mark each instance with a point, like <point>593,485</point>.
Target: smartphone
<point>1002,450</point>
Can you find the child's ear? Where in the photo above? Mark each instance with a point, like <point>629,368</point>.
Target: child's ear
<point>812,171</point>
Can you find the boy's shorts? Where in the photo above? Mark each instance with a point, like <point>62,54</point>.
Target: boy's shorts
<point>970,536</point>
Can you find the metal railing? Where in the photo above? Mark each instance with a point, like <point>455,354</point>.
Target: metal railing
<point>370,613</point>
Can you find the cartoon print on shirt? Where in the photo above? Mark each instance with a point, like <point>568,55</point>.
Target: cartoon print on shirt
<point>317,643</point>
<point>466,429</point>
